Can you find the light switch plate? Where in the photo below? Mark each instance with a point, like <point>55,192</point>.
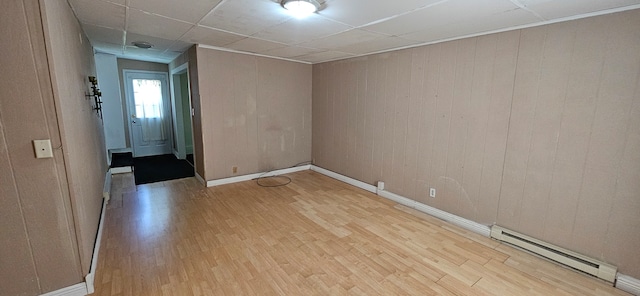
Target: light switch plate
<point>43,148</point>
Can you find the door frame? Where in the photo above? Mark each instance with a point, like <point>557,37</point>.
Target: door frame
<point>180,151</point>
<point>128,97</point>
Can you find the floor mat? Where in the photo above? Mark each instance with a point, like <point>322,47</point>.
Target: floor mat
<point>150,169</point>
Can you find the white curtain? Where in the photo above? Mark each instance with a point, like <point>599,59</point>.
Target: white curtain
<point>148,100</point>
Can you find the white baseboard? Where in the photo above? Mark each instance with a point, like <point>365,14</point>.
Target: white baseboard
<point>89,278</point>
<point>242,178</point>
<point>628,284</point>
<point>483,230</point>
<point>75,290</point>
<point>121,170</point>
<point>478,228</point>
<point>351,181</point>
<point>106,190</point>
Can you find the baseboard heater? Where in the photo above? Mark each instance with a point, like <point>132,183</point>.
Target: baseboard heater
<point>572,259</point>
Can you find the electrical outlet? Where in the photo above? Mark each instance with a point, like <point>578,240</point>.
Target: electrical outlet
<point>235,170</point>
<point>432,192</point>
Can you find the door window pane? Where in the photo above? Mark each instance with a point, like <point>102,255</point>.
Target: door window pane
<point>147,94</point>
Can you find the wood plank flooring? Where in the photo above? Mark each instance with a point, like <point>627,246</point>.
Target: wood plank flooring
<point>315,236</point>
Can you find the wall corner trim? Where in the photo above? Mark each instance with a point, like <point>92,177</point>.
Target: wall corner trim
<point>628,284</point>
<point>224,181</point>
<point>75,290</point>
<point>478,228</point>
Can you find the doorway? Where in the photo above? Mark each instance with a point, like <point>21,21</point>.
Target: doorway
<point>182,114</point>
<point>148,112</point>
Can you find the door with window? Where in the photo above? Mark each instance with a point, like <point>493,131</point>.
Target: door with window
<point>149,113</point>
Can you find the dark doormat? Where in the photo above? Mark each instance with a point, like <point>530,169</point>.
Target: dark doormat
<point>150,169</point>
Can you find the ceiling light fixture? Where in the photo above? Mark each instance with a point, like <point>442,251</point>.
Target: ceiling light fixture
<point>301,8</point>
<point>142,44</point>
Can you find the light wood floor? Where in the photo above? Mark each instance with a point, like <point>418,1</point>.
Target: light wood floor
<point>315,236</point>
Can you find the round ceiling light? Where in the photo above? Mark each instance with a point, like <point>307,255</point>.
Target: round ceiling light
<point>142,44</point>
<point>301,8</point>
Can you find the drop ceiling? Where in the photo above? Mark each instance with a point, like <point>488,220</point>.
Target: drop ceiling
<point>341,29</point>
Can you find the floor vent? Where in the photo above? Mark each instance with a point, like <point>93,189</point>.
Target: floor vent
<point>580,262</point>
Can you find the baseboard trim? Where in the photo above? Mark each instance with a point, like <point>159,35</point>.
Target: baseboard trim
<point>89,278</point>
<point>106,190</point>
<point>243,178</point>
<point>478,228</point>
<point>75,290</point>
<point>121,170</point>
<point>628,284</point>
<point>345,179</point>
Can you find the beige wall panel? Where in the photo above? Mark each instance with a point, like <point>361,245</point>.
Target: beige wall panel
<point>38,227</point>
<point>17,271</point>
<point>575,130</point>
<point>246,122</point>
<point>443,110</point>
<point>622,238</point>
<point>495,138</point>
<point>415,114</point>
<point>399,132</point>
<point>259,103</point>
<point>479,104</point>
<point>318,106</point>
<point>340,100</point>
<point>455,194</point>
<point>378,74</point>
<point>81,127</point>
<point>529,129</point>
<point>428,118</point>
<point>546,125</point>
<point>362,147</point>
<point>389,102</point>
<point>523,108</point>
<point>610,129</point>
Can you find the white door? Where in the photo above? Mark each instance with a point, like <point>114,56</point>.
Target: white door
<point>149,114</point>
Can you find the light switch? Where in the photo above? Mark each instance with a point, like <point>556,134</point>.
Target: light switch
<point>43,148</point>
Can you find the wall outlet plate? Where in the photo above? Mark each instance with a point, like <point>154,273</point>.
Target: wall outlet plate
<point>432,192</point>
<point>43,148</point>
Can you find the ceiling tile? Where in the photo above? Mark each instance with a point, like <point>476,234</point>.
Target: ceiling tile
<point>557,9</point>
<point>450,12</point>
<point>246,17</point>
<point>472,26</point>
<point>152,25</point>
<point>254,45</point>
<point>189,11</point>
<point>208,36</point>
<point>102,34</point>
<point>158,43</point>
<point>377,45</point>
<point>343,39</point>
<point>324,56</point>
<point>100,13</point>
<point>296,31</point>
<point>361,12</point>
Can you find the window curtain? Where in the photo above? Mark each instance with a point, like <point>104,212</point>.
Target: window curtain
<point>148,100</point>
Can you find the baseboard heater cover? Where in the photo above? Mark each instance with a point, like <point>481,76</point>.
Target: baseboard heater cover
<point>572,259</point>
